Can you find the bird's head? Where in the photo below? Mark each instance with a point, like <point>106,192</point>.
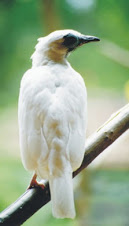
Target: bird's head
<point>58,44</point>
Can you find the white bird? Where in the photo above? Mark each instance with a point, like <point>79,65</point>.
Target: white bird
<point>52,115</point>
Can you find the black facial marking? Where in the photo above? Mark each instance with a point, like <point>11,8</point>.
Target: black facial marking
<point>71,41</point>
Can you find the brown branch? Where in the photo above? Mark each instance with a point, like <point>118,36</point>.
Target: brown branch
<point>33,199</point>
<point>50,16</point>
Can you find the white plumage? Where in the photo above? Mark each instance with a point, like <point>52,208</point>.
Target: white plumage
<point>52,117</point>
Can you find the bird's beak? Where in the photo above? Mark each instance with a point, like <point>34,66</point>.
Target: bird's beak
<point>85,39</point>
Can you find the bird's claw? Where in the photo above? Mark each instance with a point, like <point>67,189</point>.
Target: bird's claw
<point>35,184</point>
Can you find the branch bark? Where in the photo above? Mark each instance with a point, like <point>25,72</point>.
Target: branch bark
<point>33,199</point>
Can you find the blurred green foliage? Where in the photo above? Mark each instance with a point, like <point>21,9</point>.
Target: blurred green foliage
<point>23,21</point>
<point>105,199</point>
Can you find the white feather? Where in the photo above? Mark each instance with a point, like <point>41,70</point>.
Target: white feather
<point>52,125</point>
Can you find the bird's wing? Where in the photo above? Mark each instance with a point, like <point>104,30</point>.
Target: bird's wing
<point>65,123</point>
<point>77,103</point>
<point>52,125</point>
<point>33,103</point>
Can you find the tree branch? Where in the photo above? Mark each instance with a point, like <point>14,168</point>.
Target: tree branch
<point>33,199</point>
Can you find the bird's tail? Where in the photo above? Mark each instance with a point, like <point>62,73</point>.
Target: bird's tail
<point>62,196</point>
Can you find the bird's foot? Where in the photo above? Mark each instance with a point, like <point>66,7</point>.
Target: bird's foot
<point>35,184</point>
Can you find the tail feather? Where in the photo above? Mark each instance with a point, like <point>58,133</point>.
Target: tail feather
<point>62,196</point>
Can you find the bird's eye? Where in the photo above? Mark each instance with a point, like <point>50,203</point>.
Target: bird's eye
<point>71,41</point>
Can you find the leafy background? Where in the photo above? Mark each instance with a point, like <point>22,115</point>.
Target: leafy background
<point>101,192</point>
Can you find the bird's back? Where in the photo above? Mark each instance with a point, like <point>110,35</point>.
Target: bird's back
<point>52,119</point>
